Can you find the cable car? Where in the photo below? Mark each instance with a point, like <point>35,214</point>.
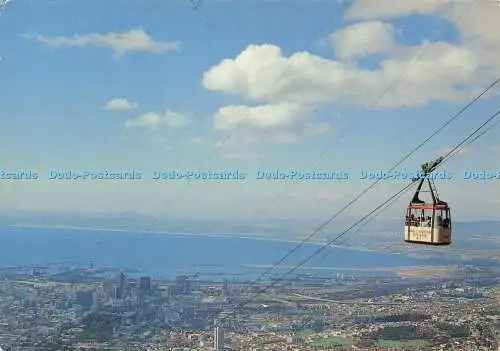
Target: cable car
<point>428,223</point>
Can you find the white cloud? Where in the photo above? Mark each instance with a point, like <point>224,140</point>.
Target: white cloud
<point>370,9</point>
<point>135,39</point>
<point>266,118</point>
<point>477,21</point>
<point>120,104</point>
<point>154,119</point>
<point>287,88</point>
<point>438,71</point>
<point>363,38</point>
<point>263,74</point>
<point>279,123</point>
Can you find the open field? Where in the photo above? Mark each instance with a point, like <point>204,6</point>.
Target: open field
<point>403,272</point>
<point>406,272</point>
<point>424,272</point>
<point>354,269</point>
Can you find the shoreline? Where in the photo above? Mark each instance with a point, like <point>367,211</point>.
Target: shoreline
<point>79,231</point>
<point>214,235</point>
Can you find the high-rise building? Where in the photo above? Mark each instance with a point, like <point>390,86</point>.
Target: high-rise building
<point>218,338</point>
<point>117,293</point>
<point>182,284</point>
<point>123,284</point>
<point>145,284</point>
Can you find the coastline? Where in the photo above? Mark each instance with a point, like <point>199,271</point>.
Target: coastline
<point>214,235</point>
<point>386,261</point>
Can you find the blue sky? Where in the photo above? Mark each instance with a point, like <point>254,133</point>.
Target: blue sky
<point>302,94</point>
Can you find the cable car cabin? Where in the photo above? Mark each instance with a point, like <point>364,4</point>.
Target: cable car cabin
<point>428,223</point>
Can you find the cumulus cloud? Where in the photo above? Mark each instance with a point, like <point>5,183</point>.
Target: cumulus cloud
<point>478,23</point>
<point>438,71</point>
<point>120,104</point>
<point>370,9</point>
<point>430,71</point>
<point>135,39</point>
<point>152,120</point>
<point>281,123</point>
<point>363,38</point>
<point>263,74</point>
<point>267,117</point>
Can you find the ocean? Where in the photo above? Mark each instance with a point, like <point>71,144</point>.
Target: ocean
<point>168,255</point>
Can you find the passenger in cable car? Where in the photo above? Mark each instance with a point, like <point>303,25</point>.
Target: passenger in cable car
<point>411,220</point>
<point>428,221</point>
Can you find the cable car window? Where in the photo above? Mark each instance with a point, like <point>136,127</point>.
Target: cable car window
<point>439,218</point>
<point>447,219</point>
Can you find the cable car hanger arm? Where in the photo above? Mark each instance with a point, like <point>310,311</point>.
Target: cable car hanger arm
<point>427,168</point>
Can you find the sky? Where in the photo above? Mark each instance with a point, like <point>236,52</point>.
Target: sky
<point>244,86</point>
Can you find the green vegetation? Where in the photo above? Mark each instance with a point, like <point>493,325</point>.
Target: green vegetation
<point>402,332</point>
<point>331,343</point>
<point>97,335</point>
<point>404,344</point>
<point>454,331</point>
<point>99,326</point>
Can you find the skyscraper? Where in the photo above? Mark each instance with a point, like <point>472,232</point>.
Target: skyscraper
<point>145,284</point>
<point>117,293</point>
<point>218,338</point>
<point>123,284</point>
